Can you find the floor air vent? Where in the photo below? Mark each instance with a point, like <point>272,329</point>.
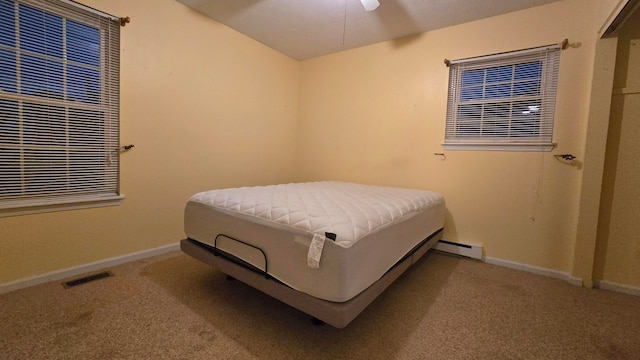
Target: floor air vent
<point>86,279</point>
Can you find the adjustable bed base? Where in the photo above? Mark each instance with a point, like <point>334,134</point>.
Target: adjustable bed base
<point>336,314</point>
<point>325,248</point>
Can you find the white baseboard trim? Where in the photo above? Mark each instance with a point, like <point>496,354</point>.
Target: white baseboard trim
<point>85,268</point>
<point>119,260</point>
<point>608,285</point>
<point>535,270</point>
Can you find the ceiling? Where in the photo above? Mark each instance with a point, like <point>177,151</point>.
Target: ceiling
<point>304,29</point>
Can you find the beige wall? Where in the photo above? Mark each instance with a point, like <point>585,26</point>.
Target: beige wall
<point>594,159</point>
<point>205,107</point>
<point>618,240</point>
<point>377,115</point>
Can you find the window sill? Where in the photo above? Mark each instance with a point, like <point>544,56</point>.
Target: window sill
<point>498,147</point>
<point>44,206</point>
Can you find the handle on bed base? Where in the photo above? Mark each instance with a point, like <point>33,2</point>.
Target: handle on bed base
<point>264,256</point>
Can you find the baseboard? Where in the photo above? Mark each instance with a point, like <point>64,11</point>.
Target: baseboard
<point>607,285</point>
<point>103,264</point>
<point>85,268</point>
<point>536,270</point>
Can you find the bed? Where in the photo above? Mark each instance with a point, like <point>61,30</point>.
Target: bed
<point>326,248</point>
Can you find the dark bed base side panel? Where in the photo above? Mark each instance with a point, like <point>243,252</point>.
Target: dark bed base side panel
<point>332,313</point>
<point>426,245</point>
<point>338,315</point>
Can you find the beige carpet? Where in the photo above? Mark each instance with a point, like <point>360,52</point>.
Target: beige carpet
<point>174,307</point>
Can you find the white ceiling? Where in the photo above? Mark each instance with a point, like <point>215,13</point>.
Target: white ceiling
<point>304,29</point>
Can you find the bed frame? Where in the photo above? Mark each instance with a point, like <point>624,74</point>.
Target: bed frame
<point>336,314</point>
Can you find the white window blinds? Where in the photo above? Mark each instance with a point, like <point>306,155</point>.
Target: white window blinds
<point>59,104</point>
<point>503,101</point>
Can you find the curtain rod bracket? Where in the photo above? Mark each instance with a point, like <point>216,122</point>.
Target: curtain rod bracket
<point>565,44</point>
<point>124,21</point>
<point>447,62</point>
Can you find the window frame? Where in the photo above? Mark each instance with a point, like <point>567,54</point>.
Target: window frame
<point>104,189</point>
<point>540,136</point>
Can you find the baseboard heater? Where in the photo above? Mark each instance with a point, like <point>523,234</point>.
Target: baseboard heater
<point>457,248</point>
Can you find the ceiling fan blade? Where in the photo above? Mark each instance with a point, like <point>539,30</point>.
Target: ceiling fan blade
<point>370,5</point>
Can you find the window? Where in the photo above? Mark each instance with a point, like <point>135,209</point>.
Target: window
<point>503,102</point>
<point>59,106</point>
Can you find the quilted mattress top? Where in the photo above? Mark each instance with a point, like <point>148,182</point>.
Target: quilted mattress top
<point>342,210</point>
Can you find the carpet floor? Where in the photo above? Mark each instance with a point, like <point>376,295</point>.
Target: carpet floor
<point>174,307</point>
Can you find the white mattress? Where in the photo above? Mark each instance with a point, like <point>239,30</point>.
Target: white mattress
<point>288,224</point>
